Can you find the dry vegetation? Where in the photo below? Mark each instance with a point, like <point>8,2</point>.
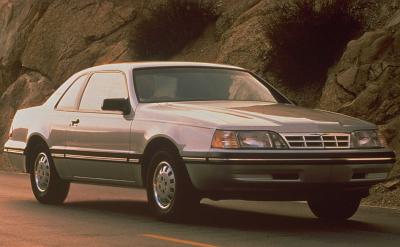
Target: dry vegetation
<point>308,37</point>
<point>170,27</point>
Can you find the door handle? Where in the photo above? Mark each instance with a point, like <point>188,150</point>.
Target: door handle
<point>75,122</point>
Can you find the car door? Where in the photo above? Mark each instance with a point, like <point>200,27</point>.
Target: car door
<point>98,141</point>
<point>65,110</point>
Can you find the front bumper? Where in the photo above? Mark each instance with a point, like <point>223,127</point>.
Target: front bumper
<point>289,174</point>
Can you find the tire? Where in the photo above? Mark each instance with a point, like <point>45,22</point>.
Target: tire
<point>334,209</point>
<point>170,193</point>
<point>46,184</point>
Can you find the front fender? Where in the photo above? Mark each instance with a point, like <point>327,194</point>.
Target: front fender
<point>186,138</point>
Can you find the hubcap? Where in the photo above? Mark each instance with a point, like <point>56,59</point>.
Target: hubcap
<point>164,185</point>
<point>42,172</point>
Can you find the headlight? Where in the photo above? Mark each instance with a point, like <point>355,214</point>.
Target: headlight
<point>247,140</point>
<point>366,139</point>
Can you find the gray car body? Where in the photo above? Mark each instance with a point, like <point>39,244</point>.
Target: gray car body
<point>108,148</point>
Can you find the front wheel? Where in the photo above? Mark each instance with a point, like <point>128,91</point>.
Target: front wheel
<point>334,209</point>
<point>169,190</point>
<point>47,186</point>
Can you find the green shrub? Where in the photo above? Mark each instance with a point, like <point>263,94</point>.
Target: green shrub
<point>170,27</point>
<point>308,36</point>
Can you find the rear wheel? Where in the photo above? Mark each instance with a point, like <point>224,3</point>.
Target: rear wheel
<point>334,209</point>
<point>169,190</point>
<point>47,186</point>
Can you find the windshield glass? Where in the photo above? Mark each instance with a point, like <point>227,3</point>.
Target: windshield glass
<point>198,84</point>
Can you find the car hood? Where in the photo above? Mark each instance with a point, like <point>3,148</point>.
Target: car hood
<point>250,115</point>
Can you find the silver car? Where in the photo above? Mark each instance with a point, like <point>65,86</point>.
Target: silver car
<point>187,131</point>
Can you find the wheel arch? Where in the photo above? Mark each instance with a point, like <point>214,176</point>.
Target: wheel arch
<point>154,144</point>
<point>33,141</point>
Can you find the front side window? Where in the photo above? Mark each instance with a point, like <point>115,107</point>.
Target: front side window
<point>198,84</point>
<point>101,86</point>
<point>70,98</point>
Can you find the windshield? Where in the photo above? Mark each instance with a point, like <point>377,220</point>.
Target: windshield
<point>198,84</point>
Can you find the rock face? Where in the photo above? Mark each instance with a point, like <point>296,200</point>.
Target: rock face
<point>17,19</point>
<point>65,40</point>
<point>244,43</point>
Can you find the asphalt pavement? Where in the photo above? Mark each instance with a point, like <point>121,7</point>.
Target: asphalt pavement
<point>110,216</point>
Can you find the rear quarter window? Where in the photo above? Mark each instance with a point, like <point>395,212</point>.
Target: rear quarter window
<point>69,100</point>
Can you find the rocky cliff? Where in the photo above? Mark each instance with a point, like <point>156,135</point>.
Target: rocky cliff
<point>44,42</point>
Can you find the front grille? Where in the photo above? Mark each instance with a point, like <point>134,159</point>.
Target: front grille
<point>317,140</point>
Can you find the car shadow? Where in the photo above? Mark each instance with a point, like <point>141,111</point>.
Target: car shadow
<point>118,207</point>
<point>220,217</point>
<point>245,220</point>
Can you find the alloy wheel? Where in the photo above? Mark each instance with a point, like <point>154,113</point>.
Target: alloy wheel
<point>42,172</point>
<point>164,185</point>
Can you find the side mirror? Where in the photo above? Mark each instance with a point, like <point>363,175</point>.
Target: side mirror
<point>118,104</point>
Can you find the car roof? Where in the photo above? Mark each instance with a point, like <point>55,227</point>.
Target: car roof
<point>139,65</point>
